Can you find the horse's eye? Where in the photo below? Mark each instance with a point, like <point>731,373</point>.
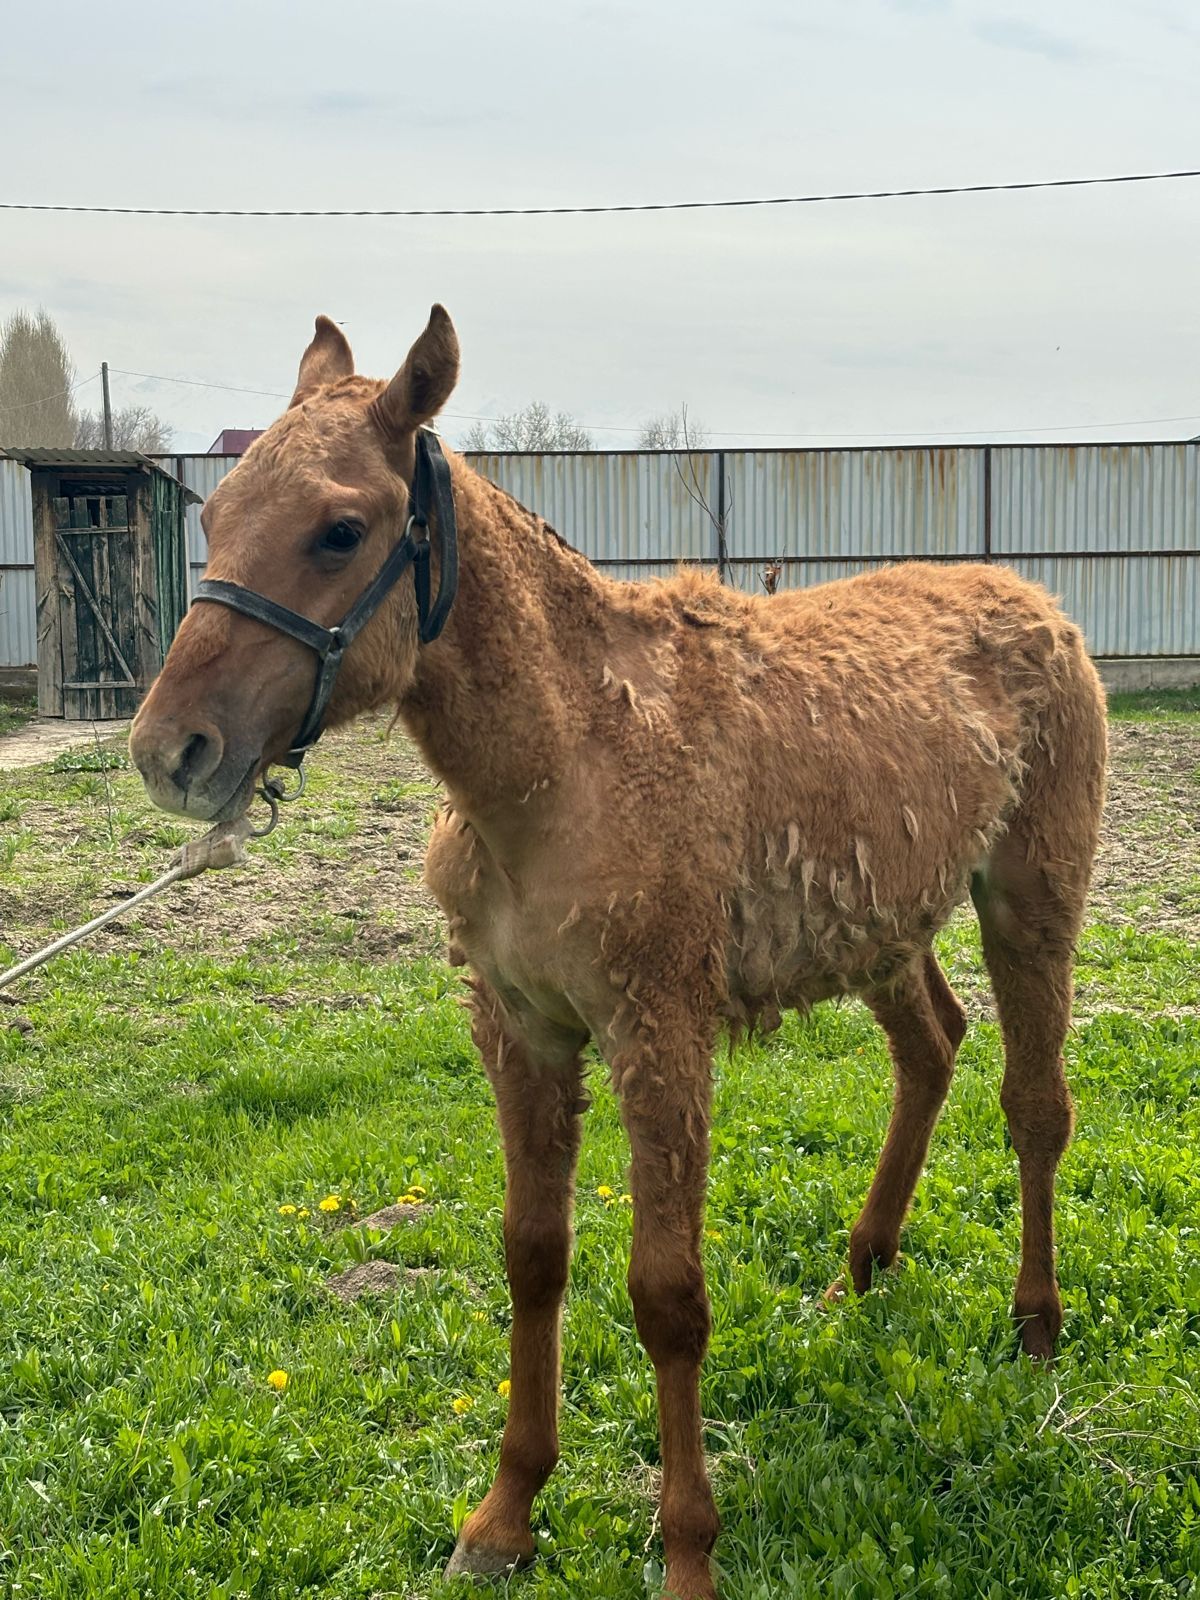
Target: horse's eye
<point>341,538</point>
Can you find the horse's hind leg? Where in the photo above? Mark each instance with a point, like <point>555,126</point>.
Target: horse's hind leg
<point>1029,928</point>
<point>925,1025</point>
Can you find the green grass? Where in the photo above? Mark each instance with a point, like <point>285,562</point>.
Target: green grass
<point>168,1102</point>
<point>16,710</point>
<point>1154,704</point>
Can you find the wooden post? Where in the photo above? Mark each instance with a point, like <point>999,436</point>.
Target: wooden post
<point>48,598</point>
<point>108,444</point>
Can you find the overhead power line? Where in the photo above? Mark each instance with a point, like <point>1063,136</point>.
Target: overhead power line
<point>201,383</point>
<point>602,210</point>
<point>27,405</point>
<point>715,433</point>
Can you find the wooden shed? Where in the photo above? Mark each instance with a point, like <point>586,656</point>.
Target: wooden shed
<point>110,573</point>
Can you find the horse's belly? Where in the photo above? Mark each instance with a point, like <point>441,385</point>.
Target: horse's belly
<point>794,944</point>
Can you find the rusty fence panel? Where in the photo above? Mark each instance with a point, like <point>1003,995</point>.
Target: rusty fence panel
<point>1114,530</point>
<point>817,512</point>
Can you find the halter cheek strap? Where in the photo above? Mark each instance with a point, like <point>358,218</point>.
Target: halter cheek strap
<point>431,490</point>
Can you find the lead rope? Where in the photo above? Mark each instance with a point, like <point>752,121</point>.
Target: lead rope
<point>222,846</point>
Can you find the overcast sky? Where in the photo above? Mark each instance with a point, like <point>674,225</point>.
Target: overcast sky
<point>1076,313</point>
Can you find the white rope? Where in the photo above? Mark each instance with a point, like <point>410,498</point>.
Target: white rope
<point>223,846</point>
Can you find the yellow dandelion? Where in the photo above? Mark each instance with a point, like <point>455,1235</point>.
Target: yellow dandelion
<point>462,1404</point>
<point>287,1211</point>
<point>415,1191</point>
<point>303,1211</point>
<point>278,1380</point>
<point>411,1200</point>
<point>605,1192</point>
<point>711,1233</point>
<point>625,1200</point>
<point>331,1202</point>
<point>503,1388</point>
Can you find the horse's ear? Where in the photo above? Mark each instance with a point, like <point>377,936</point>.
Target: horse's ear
<point>426,380</point>
<point>327,359</point>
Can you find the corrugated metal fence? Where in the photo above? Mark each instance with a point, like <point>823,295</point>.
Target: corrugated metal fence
<point>1113,529</point>
<point>18,610</point>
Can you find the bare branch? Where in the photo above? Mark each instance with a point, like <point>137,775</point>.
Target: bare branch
<point>133,428</point>
<point>534,428</point>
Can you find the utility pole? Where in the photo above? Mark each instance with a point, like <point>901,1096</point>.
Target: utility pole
<point>107,406</point>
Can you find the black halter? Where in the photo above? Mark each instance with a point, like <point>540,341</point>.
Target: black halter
<point>430,488</point>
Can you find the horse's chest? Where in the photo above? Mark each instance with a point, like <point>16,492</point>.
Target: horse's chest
<point>492,924</point>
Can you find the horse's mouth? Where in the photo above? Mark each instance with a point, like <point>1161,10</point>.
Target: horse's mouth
<point>206,803</point>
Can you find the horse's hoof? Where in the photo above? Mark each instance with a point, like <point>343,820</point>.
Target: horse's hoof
<point>834,1295</point>
<point>477,1561</point>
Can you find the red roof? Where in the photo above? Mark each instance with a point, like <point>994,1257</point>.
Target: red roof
<point>234,441</point>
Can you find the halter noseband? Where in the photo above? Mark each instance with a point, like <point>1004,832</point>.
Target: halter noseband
<point>430,487</point>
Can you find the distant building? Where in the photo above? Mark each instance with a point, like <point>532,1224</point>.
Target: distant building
<point>234,441</point>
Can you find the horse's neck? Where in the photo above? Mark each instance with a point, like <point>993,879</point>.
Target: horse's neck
<point>495,702</point>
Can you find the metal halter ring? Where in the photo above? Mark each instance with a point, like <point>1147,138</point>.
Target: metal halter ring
<point>273,789</point>
<point>274,793</point>
<point>261,833</point>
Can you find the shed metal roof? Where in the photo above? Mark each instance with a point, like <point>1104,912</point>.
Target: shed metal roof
<point>61,456</point>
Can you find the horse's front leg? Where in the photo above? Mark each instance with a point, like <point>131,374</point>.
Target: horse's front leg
<point>540,1099</point>
<point>665,1097</point>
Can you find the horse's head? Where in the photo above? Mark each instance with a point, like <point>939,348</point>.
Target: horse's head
<point>306,519</point>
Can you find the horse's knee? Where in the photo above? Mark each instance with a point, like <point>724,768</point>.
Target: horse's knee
<point>924,1076</point>
<point>1040,1116</point>
<point>538,1252</point>
<point>672,1312</point>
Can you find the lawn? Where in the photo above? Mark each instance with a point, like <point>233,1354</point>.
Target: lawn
<point>16,709</point>
<point>272,1039</point>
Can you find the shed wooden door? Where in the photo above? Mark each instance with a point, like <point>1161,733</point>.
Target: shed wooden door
<point>89,559</point>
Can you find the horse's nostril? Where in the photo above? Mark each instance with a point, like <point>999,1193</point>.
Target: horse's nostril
<point>193,761</point>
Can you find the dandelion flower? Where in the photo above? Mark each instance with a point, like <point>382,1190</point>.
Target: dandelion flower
<point>462,1404</point>
<point>331,1202</point>
<point>287,1211</point>
<point>711,1233</point>
<point>303,1211</point>
<point>503,1388</point>
<point>278,1380</point>
<point>605,1192</point>
<point>411,1200</point>
<point>415,1190</point>
<point>625,1200</point>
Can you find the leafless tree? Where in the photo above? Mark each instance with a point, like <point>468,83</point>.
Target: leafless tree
<point>133,428</point>
<point>36,377</point>
<point>679,434</point>
<point>674,430</point>
<point>534,428</point>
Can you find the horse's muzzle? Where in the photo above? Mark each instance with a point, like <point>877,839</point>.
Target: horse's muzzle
<point>188,770</point>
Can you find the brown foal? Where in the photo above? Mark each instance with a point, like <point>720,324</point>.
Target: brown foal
<point>673,808</point>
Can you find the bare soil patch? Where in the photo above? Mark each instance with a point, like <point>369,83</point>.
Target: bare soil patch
<point>1148,867</point>
<point>342,875</point>
<point>365,1277</point>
